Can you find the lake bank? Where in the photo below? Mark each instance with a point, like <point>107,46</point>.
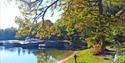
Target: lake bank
<point>84,56</point>
<point>67,57</point>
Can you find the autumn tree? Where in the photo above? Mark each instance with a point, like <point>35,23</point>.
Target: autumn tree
<point>45,32</point>
<point>94,19</point>
<point>95,22</point>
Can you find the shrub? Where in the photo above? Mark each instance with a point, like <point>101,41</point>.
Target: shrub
<point>96,49</point>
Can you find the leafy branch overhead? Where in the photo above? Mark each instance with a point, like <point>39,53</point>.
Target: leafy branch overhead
<point>38,8</point>
<point>89,21</point>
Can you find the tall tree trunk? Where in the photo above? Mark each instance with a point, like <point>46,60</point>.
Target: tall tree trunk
<point>100,46</point>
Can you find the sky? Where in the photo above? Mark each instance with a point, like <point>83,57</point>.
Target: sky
<point>8,12</point>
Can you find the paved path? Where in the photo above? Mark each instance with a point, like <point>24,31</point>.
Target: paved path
<point>65,59</point>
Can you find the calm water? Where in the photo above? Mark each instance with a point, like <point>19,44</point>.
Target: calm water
<point>20,55</point>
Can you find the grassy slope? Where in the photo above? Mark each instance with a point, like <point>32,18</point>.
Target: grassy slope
<point>85,56</point>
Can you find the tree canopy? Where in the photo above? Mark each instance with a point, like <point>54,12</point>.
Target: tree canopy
<point>8,34</point>
<point>90,21</point>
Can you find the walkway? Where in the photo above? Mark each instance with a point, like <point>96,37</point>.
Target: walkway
<point>65,59</point>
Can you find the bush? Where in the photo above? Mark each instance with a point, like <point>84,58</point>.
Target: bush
<point>96,49</point>
<point>122,59</point>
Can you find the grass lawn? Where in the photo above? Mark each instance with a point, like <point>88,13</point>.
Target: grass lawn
<point>84,56</point>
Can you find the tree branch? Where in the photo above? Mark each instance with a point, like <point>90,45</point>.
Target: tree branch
<point>48,8</point>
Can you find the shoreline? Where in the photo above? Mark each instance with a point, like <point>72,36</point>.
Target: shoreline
<point>68,57</point>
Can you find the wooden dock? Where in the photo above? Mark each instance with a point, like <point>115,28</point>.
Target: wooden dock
<point>35,44</point>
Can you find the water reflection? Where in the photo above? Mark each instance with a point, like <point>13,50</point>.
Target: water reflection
<point>20,55</point>
<point>16,55</point>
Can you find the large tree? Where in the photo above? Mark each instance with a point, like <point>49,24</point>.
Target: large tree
<point>95,21</point>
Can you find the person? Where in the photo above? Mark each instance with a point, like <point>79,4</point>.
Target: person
<point>75,57</point>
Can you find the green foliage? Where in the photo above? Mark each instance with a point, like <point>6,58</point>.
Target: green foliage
<point>81,20</point>
<point>122,59</point>
<point>45,30</point>
<point>25,27</point>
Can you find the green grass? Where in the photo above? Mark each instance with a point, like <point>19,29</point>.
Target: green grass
<point>85,56</point>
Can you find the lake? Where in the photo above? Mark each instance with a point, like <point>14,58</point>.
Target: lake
<point>39,55</point>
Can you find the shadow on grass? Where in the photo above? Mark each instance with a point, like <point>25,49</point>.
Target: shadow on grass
<point>108,52</point>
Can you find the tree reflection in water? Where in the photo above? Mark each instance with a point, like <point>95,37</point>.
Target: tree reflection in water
<point>50,55</point>
<point>31,55</point>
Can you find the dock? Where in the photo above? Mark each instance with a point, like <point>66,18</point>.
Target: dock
<point>35,44</point>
